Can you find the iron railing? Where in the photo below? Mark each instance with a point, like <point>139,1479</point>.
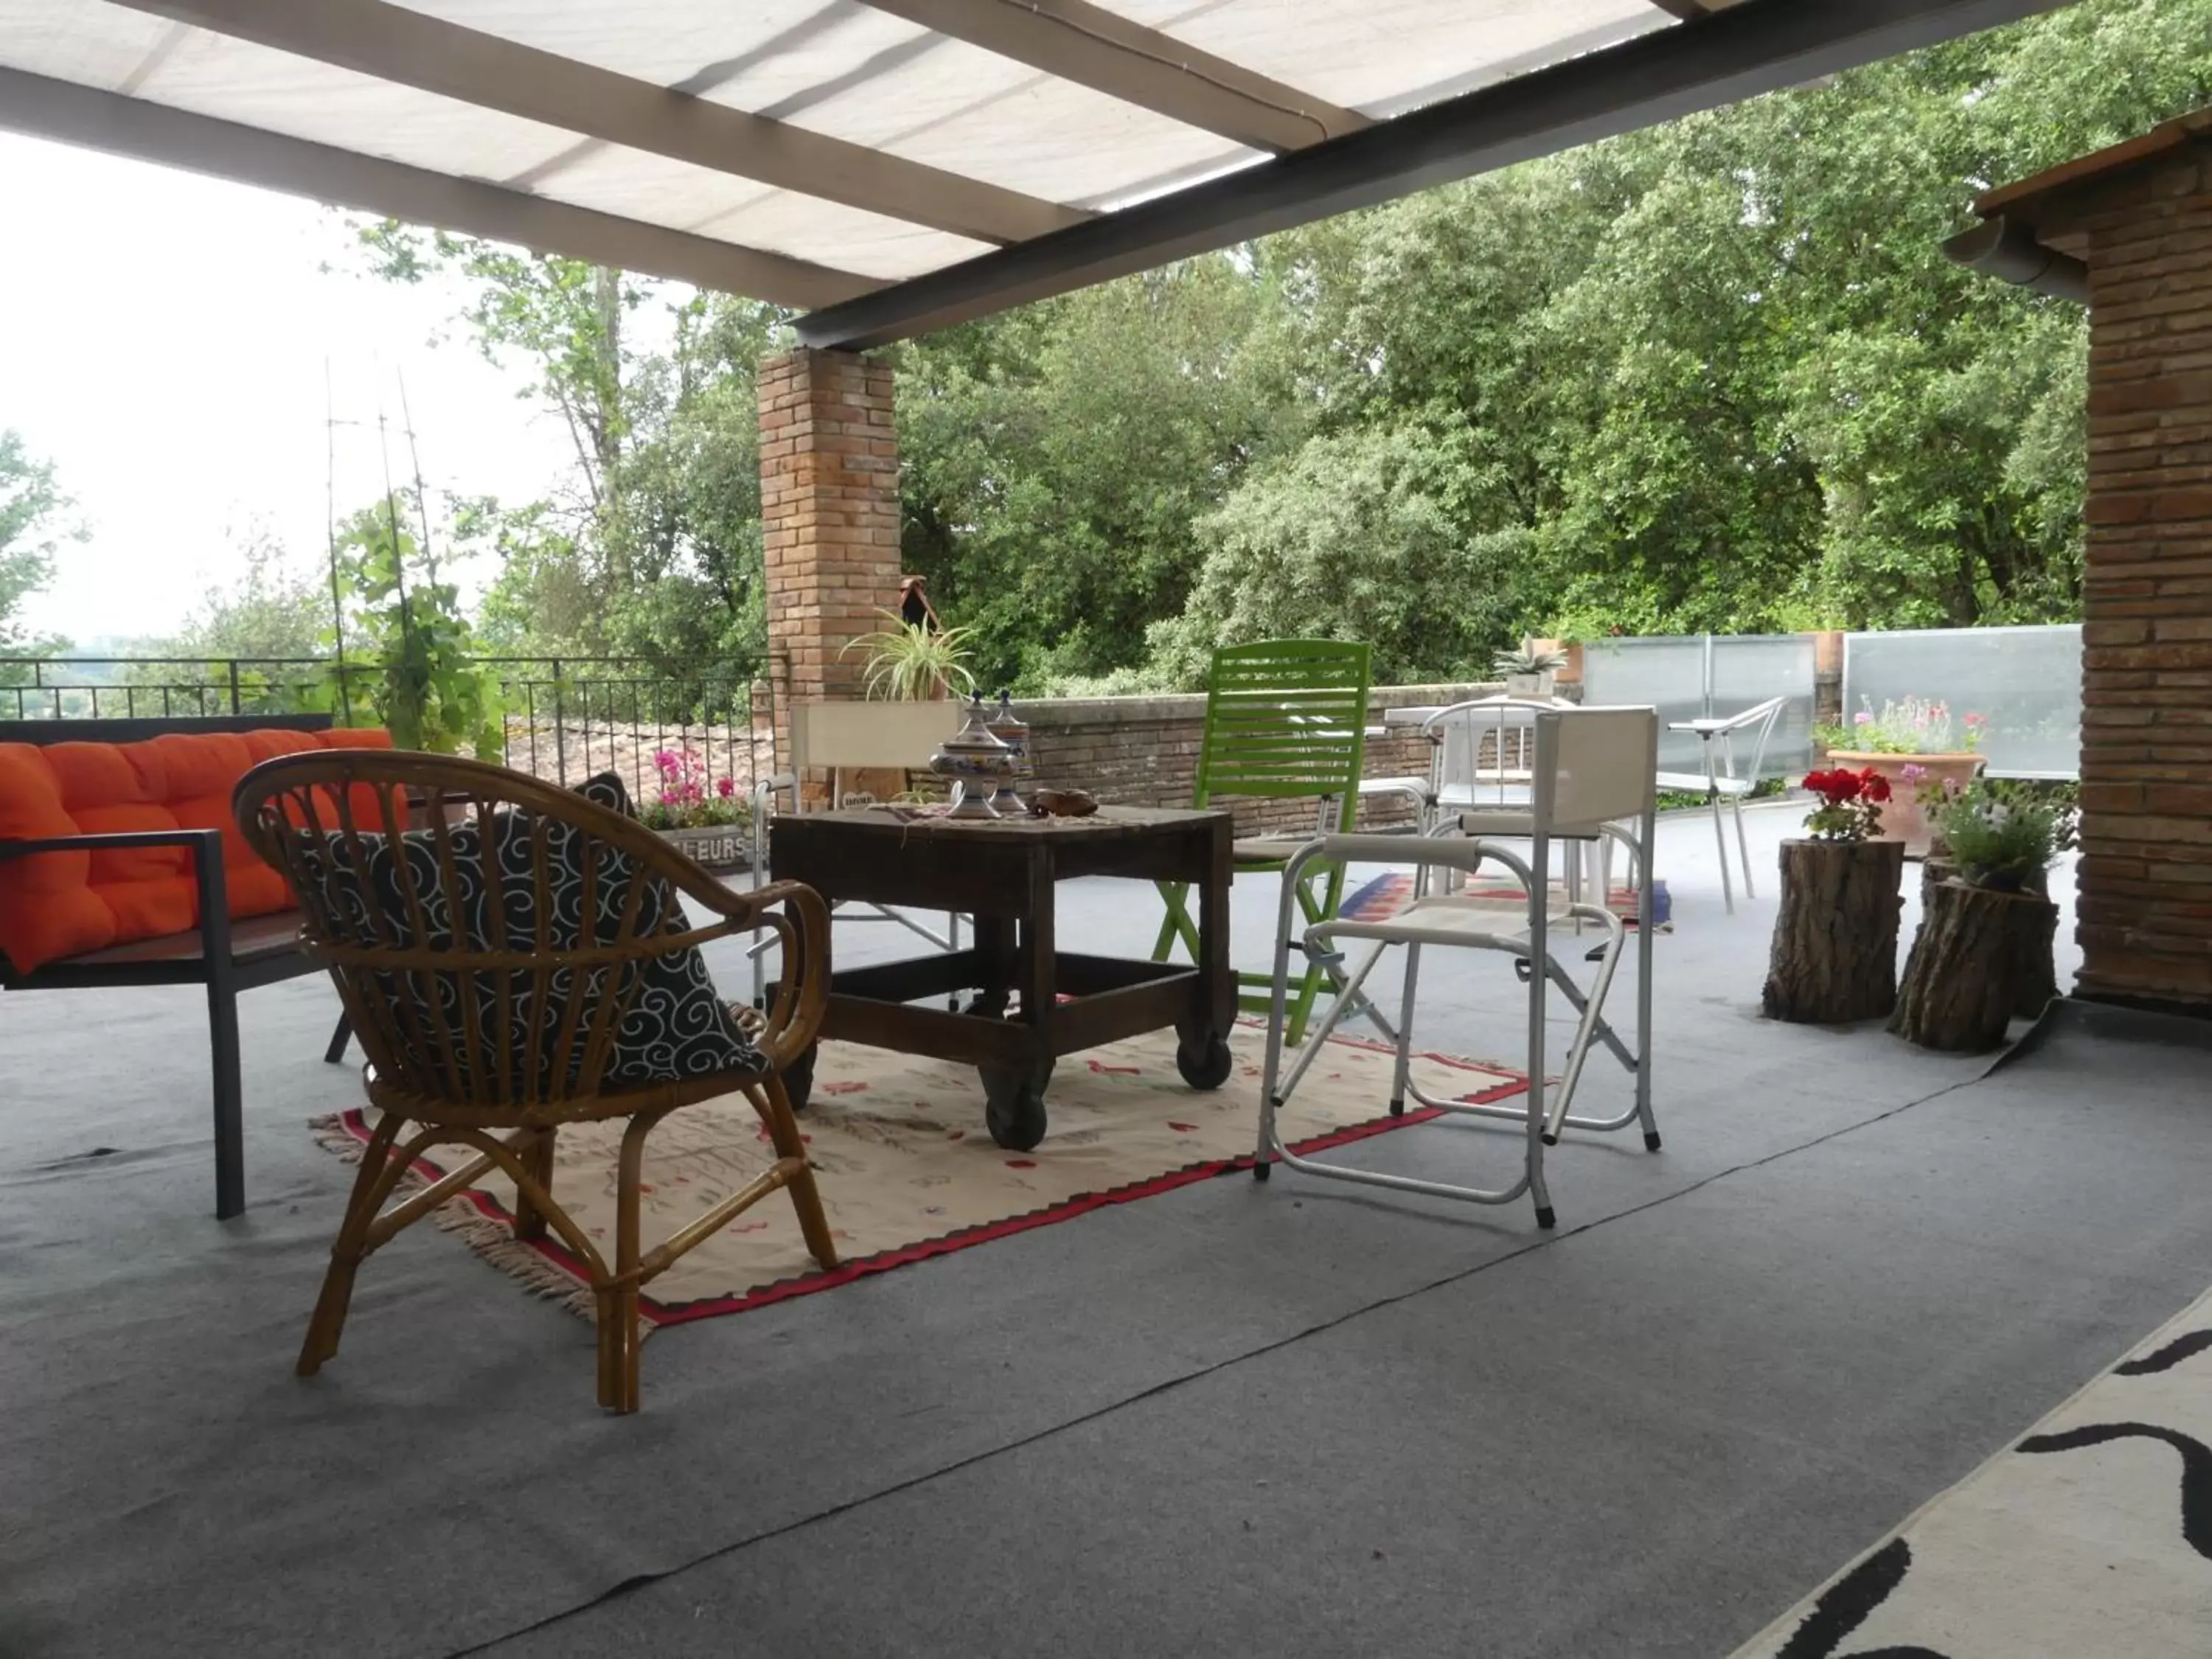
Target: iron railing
<point>567,718</point>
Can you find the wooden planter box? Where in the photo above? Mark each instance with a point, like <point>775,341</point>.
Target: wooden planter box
<point>1903,818</point>
<point>1834,958</point>
<point>718,846</point>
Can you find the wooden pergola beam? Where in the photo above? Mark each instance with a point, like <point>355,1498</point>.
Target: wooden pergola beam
<point>45,108</point>
<point>412,48</point>
<point>1737,53</point>
<point>1074,41</point>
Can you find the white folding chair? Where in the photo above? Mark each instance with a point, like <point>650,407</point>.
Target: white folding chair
<point>1590,769</point>
<point>849,737</point>
<point>1722,782</point>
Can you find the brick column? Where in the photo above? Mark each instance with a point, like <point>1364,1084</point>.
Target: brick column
<point>829,519</point>
<point>2145,892</point>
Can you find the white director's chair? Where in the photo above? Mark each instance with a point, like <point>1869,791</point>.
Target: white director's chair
<point>1591,770</point>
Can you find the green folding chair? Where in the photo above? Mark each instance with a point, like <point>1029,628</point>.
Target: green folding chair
<point>1285,720</point>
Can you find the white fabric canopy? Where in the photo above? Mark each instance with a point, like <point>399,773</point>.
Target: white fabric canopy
<point>897,164</point>
<point>837,67</point>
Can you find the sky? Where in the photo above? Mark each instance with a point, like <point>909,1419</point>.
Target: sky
<point>164,345</point>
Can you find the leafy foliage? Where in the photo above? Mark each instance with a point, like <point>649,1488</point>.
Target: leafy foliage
<point>912,662</point>
<point>275,608</point>
<point>2004,835</point>
<point>1356,535</point>
<point>651,546</point>
<point>34,521</point>
<point>1057,460</point>
<point>408,625</point>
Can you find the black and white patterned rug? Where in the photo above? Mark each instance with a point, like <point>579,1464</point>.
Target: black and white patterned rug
<point>2089,1536</point>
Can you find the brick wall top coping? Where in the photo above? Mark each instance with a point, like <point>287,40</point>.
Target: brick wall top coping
<point>1184,706</point>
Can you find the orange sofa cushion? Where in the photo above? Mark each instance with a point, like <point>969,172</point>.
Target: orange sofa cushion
<point>63,904</point>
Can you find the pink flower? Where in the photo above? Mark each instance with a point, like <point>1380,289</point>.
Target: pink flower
<point>1864,717</point>
<point>1912,772</point>
<point>726,787</point>
<point>1977,721</point>
<point>670,797</point>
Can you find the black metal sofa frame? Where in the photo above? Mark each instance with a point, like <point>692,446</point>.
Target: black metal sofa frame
<point>225,956</point>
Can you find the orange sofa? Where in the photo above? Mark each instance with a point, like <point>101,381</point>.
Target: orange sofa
<point>121,864</point>
<point>60,904</point>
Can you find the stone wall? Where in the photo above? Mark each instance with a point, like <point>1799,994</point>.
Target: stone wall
<point>2144,895</point>
<point>1143,752</point>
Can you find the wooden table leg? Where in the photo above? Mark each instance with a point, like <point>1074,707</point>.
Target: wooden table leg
<point>1040,976</point>
<point>1202,1053</point>
<point>1013,1098</point>
<point>997,953</point>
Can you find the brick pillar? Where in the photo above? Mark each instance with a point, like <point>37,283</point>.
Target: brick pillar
<point>1827,678</point>
<point>829,519</point>
<point>2145,892</point>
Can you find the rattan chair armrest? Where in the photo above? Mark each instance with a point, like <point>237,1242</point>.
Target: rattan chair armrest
<point>803,987</point>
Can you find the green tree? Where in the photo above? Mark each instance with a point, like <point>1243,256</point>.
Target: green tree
<point>274,609</point>
<point>35,518</point>
<point>651,546</point>
<point>1056,461</point>
<point>1359,535</point>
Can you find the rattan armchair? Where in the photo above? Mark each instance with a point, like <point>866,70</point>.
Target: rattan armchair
<point>497,964</point>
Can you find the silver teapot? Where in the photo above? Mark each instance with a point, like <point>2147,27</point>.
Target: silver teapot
<point>976,763</point>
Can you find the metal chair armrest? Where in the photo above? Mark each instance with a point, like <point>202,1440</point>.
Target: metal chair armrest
<point>105,841</point>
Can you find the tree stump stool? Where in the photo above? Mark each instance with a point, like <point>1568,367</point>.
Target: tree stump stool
<point>1980,957</point>
<point>1834,957</point>
<point>1934,870</point>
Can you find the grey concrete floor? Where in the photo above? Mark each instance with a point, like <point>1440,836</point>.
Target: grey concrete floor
<point>1299,1418</point>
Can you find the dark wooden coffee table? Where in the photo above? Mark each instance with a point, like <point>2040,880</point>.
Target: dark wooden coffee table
<point>1028,1001</point>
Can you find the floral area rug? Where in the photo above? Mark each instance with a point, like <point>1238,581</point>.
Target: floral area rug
<point>2089,1537</point>
<point>907,1169</point>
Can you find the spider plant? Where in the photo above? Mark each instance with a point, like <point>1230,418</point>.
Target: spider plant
<point>909,662</point>
<point>1518,663</point>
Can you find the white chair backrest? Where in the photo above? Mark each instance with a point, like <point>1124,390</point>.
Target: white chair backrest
<point>1595,766</point>
<point>1486,745</point>
<point>848,735</point>
<point>1759,720</point>
<point>1763,713</point>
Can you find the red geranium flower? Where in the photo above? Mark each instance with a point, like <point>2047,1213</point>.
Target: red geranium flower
<point>1834,787</point>
<point>1873,785</point>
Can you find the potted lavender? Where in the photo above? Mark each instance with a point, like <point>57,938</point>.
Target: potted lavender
<point>1918,750</point>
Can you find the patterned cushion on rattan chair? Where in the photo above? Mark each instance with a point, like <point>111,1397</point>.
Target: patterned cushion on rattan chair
<point>517,962</point>
<point>676,1025</point>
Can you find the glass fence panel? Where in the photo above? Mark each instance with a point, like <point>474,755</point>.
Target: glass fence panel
<point>2025,681</point>
<point>1750,668</point>
<point>1666,674</point>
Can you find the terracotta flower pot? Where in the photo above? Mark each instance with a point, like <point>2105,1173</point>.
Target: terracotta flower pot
<point>1903,818</point>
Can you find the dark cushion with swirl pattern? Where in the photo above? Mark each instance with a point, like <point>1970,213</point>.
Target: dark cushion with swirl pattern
<point>676,1026</point>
